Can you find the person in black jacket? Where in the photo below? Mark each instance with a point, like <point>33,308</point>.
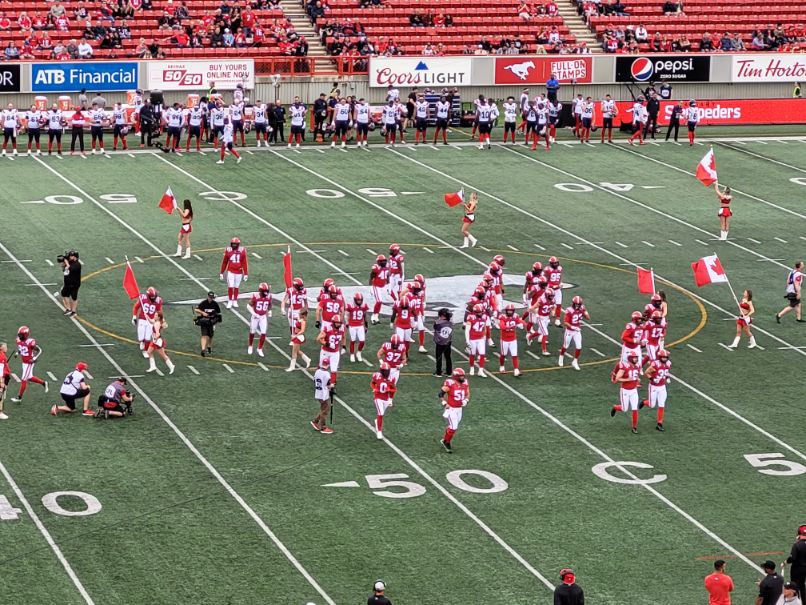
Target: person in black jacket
<point>378,596</point>
<point>569,592</point>
<point>797,559</point>
<point>319,116</point>
<point>148,123</point>
<point>674,120</point>
<point>652,109</point>
<point>279,122</point>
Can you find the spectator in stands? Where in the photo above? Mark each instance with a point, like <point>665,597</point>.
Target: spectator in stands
<point>581,49</point>
<point>111,40</point>
<point>416,20</point>
<point>72,49</point>
<point>11,52</point>
<point>84,49</point>
<point>439,20</point>
<point>485,45</point>
<point>524,11</point>
<point>684,44</point>
<point>657,43</point>
<point>182,12</point>
<point>155,50</point>
<point>217,39</point>
<point>24,22</point>
<point>673,7</point>
<point>229,39</point>
<point>98,31</point>
<point>81,13</point>
<point>726,42</point>
<point>706,43</point>
<point>554,36</point>
<point>737,43</point>
<point>44,42</point>
<point>62,23</point>
<point>468,50</point>
<point>56,10</point>
<point>617,8</point>
<point>758,41</point>
<point>141,50</point>
<point>39,22</point>
<point>428,50</point>
<point>123,31</point>
<point>641,34</point>
<point>146,5</point>
<point>125,10</point>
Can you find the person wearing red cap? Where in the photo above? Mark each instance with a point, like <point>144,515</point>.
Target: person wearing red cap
<point>797,559</point>
<point>719,585</point>
<point>74,387</point>
<point>569,592</point>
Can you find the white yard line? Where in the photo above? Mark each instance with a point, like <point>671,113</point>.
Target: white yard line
<point>671,241</point>
<point>620,245</point>
<point>194,370</point>
<point>693,348</point>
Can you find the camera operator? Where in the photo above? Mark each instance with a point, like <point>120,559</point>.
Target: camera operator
<point>208,314</point>
<point>116,400</point>
<point>72,281</point>
<point>74,387</point>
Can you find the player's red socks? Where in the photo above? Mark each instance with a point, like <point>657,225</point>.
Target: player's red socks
<point>379,422</point>
<point>261,342</point>
<point>449,432</point>
<point>501,359</point>
<point>361,344</point>
<point>514,362</point>
<point>660,415</point>
<point>352,347</point>
<point>553,130</point>
<point>690,138</point>
<point>251,339</point>
<point>544,344</point>
<point>482,359</point>
<point>235,153</point>
<point>577,353</point>
<point>23,386</point>
<point>377,308</point>
<point>471,360</point>
<point>422,338</point>
<point>635,419</point>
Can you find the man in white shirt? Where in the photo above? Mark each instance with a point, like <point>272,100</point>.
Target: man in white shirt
<point>84,50</point>
<point>74,386</point>
<point>226,142</point>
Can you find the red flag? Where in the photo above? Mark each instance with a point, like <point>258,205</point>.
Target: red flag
<point>708,270</point>
<point>168,201</point>
<point>706,169</point>
<point>646,281</point>
<point>130,283</point>
<point>288,275</point>
<point>454,199</point>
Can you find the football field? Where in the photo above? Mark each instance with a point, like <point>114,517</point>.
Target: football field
<point>217,490</point>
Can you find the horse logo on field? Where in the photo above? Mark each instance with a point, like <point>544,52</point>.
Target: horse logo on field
<point>521,70</point>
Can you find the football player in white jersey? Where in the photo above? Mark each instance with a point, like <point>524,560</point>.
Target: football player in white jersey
<point>639,116</point>
<point>226,142</point>
<point>173,119</point>
<point>34,119</point>
<point>11,122</point>
<point>484,121</point>
<point>541,129</point>
<point>341,122</point>
<point>194,119</point>
<point>120,128</point>
<point>361,117</point>
<point>420,119</point>
<point>476,102</point>
<point>97,122</point>
<point>236,115</point>
<point>389,116</point>
<point>402,116</point>
<point>261,123</point>
<point>297,111</point>
<point>609,111</point>
<point>510,118</point>
<point>217,122</point>
<point>576,107</point>
<point>443,109</point>
<point>554,117</point>
<point>587,121</point>
<point>56,123</point>
<point>523,103</point>
<point>692,116</point>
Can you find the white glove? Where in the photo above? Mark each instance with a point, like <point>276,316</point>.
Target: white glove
<point>269,313</point>
<point>246,278</point>
<point>221,276</point>
<point>134,320</point>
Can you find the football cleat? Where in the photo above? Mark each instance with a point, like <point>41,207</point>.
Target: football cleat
<point>612,412</point>
<point>560,361</point>
<point>326,430</point>
<point>482,373</point>
<point>446,445</point>
<point>659,427</point>
<point>422,349</point>
<point>472,372</point>
<point>359,357</point>
<point>249,350</point>
<point>502,369</point>
<point>575,364</point>
<point>260,353</point>
<point>634,429</point>
<point>516,372</point>
<point>352,357</point>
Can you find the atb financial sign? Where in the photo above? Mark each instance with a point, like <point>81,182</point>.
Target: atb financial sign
<point>94,76</point>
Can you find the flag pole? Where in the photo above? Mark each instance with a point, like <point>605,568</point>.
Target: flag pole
<point>727,280</point>
<point>652,273</point>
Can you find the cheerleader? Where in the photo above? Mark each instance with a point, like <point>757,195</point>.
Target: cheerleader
<point>468,219</point>
<point>297,338</point>
<point>746,311</point>
<point>725,212</point>
<point>158,344</point>
<point>186,215</point>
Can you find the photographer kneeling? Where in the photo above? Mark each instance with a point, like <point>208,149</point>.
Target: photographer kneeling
<point>208,314</point>
<point>116,400</point>
<point>74,387</point>
<point>72,281</point>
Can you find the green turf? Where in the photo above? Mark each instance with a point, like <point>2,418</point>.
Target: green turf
<point>169,531</point>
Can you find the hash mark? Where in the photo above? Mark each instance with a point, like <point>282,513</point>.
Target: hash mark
<point>622,245</point>
<point>564,245</point>
<point>671,241</point>
<point>52,376</point>
<point>539,247</point>
<point>597,351</point>
<point>256,255</point>
<point>724,346</point>
<point>511,247</point>
<point>227,368</point>
<point>343,253</point>
<point>755,241</point>
<point>110,261</point>
<point>429,250</point>
<point>138,259</point>
<point>197,257</point>
<point>262,367</point>
<point>783,241</point>
<point>693,348</point>
<point>372,252</point>
<point>532,354</point>
<point>194,370</point>
<point>651,245</point>
<point>699,241</point>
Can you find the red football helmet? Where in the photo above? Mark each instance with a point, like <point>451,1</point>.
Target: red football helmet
<point>498,258</point>
<point>384,366</point>
<point>542,282</point>
<point>264,289</point>
<point>637,317</point>
<point>549,293</point>
<point>479,293</point>
<point>358,298</point>
<point>478,309</point>
<point>657,317</point>
<point>151,293</point>
<point>332,291</point>
<point>576,302</point>
<point>554,262</point>
<point>394,249</point>
<point>325,362</point>
<point>380,260</point>
<point>336,321</point>
<point>419,277</point>
<point>298,283</point>
<point>234,243</point>
<point>459,374</point>
<point>487,278</point>
<point>632,356</point>
<point>494,268</point>
<point>663,354</point>
<point>23,332</point>
<point>396,340</point>
<point>537,268</point>
<point>509,309</point>
<point>327,283</point>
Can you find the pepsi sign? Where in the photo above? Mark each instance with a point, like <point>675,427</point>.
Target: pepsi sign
<point>663,68</point>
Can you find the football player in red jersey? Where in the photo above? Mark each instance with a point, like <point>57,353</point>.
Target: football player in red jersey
<point>393,352</point>
<point>379,282</point>
<point>655,335</point>
<point>294,301</point>
<point>746,311</point>
<point>236,265</point>
<point>28,352</point>
<point>331,340</point>
<point>145,310</point>
<point>540,312</point>
<point>417,305</point>
<point>157,343</point>
<point>554,274</point>
<point>357,325</point>
<point>402,319</point>
<point>454,396</point>
<point>5,376</point>
<point>331,306</point>
<point>632,338</point>
<point>383,393</point>
<point>658,376</point>
<point>508,324</point>
<point>628,376</point>
<point>300,323</point>
<point>260,309</point>
<point>572,322</point>
<point>530,280</point>
<point>477,324</point>
<point>397,271</point>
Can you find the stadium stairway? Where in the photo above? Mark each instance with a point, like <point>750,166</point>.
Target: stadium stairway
<point>578,28</point>
<point>294,11</point>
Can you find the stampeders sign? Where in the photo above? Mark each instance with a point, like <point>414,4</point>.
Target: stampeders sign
<point>764,67</point>
<point>728,112</point>
<point>420,71</point>
<point>536,70</point>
